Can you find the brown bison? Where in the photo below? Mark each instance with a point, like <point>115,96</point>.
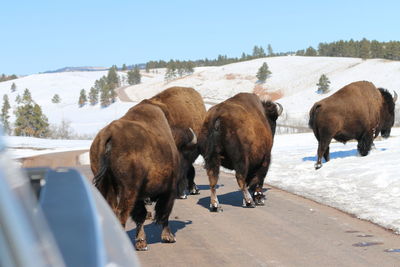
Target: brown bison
<point>357,111</point>
<point>238,134</point>
<point>184,108</point>
<point>135,158</point>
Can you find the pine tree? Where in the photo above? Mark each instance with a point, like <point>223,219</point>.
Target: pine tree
<point>13,87</point>
<point>4,116</point>
<point>124,67</point>
<point>18,99</point>
<point>263,73</point>
<point>364,49</point>
<point>82,98</point>
<point>56,99</point>
<point>323,84</point>
<point>112,77</point>
<point>30,120</point>
<point>171,71</point>
<point>189,67</point>
<point>105,99</point>
<point>27,97</point>
<point>93,96</point>
<point>311,52</point>
<point>270,52</point>
<point>134,76</point>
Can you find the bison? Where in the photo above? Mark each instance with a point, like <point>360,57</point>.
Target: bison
<point>135,158</point>
<point>184,108</point>
<point>238,134</point>
<point>357,111</point>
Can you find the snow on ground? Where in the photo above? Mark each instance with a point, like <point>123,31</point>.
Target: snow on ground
<point>368,187</point>
<point>21,147</point>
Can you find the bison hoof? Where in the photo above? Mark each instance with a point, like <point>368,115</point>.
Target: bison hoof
<point>168,238</point>
<point>216,209</point>
<point>141,245</point>
<point>250,205</point>
<point>318,165</point>
<point>195,191</point>
<point>259,201</point>
<point>184,196</point>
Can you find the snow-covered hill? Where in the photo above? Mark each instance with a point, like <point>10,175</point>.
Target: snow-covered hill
<point>293,79</point>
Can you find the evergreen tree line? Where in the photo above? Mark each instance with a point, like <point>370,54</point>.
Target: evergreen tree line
<point>361,49</point>
<point>178,69</point>
<point>103,90</point>
<point>258,52</point>
<point>4,77</point>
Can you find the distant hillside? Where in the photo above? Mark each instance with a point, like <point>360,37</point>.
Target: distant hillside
<point>68,69</point>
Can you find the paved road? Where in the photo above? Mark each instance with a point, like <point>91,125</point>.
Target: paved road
<point>288,231</point>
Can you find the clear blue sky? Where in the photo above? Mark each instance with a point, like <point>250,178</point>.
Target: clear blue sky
<point>45,35</point>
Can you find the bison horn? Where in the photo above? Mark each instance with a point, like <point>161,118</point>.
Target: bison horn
<point>280,108</point>
<point>194,140</point>
<point>394,97</point>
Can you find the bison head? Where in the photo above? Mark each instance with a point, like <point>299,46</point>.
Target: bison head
<point>387,112</point>
<point>272,112</point>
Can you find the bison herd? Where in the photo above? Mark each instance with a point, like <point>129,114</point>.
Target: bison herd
<point>148,154</point>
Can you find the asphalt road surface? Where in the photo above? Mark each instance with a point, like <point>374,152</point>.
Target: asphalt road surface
<point>288,231</point>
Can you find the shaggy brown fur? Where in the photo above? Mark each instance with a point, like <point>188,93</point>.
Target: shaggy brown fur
<point>133,159</point>
<point>184,109</point>
<point>238,134</point>
<point>357,111</point>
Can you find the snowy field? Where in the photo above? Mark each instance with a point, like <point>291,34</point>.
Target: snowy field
<point>368,187</point>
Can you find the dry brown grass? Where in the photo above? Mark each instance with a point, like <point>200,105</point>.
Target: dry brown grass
<point>230,76</point>
<point>265,95</point>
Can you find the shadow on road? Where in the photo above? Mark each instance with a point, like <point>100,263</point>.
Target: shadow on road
<point>153,231</point>
<point>232,198</point>
<point>207,187</point>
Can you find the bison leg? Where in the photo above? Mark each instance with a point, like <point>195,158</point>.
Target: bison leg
<point>249,202</point>
<point>256,188</point>
<point>326,154</point>
<point>213,179</point>
<point>163,210</point>
<point>138,214</point>
<point>365,143</point>
<point>193,190</point>
<point>323,149</point>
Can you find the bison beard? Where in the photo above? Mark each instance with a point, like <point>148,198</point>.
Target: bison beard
<point>238,134</point>
<point>357,111</point>
<point>134,159</point>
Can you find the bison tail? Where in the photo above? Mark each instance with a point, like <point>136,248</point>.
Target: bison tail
<point>103,180</point>
<point>211,144</point>
<point>313,115</point>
